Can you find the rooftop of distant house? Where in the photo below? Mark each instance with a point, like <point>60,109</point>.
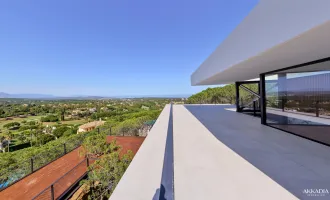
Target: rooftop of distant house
<point>92,124</point>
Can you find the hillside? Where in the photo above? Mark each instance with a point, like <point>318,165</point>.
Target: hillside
<point>225,94</point>
<point>221,95</point>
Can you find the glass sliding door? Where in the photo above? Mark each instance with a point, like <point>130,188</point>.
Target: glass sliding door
<point>298,101</point>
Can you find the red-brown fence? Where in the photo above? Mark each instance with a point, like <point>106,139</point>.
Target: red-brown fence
<point>65,183</point>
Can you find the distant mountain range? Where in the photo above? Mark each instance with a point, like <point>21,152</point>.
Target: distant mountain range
<point>26,96</point>
<point>49,96</point>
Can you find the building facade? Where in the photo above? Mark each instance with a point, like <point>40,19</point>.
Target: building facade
<point>287,52</point>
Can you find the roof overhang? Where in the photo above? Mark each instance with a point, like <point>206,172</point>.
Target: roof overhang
<point>275,35</point>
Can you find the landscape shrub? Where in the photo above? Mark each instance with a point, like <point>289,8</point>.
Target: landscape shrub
<point>12,126</point>
<point>50,118</point>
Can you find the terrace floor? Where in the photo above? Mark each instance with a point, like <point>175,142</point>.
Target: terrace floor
<point>221,154</point>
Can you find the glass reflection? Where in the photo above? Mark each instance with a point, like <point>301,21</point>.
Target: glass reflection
<point>298,101</point>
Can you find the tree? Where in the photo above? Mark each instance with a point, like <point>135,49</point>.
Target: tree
<point>129,127</point>
<point>106,172</point>
<point>32,123</point>
<point>225,94</point>
<point>21,137</point>
<point>13,164</point>
<point>215,99</point>
<point>96,145</point>
<point>9,135</point>
<point>45,138</point>
<point>61,113</point>
<point>229,93</point>
<point>2,113</point>
<point>59,131</point>
<point>70,132</point>
<point>12,126</point>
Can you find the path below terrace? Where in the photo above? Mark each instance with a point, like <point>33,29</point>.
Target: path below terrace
<point>32,185</point>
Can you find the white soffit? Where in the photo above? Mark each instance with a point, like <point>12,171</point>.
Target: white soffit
<point>276,34</point>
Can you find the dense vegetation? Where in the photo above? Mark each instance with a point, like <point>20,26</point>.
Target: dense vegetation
<point>73,108</point>
<point>224,94</point>
<point>50,118</point>
<point>43,127</point>
<point>37,122</point>
<point>17,164</point>
<point>12,126</point>
<point>221,95</point>
<point>105,173</point>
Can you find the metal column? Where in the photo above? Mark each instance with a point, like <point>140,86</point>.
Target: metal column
<point>237,96</point>
<point>263,99</point>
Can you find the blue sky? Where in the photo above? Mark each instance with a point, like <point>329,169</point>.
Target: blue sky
<point>110,47</point>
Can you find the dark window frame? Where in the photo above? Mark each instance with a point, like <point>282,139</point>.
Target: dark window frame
<point>263,96</point>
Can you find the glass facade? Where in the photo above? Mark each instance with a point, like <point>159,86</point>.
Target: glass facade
<point>298,101</point>
<point>248,96</point>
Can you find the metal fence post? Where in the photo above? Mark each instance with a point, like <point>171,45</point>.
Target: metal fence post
<point>317,107</point>
<point>110,130</point>
<point>52,192</point>
<point>254,108</point>
<point>98,130</point>
<point>31,162</point>
<point>64,146</point>
<point>87,161</point>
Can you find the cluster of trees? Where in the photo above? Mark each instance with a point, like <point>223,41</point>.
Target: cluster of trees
<point>12,126</point>
<point>16,107</point>
<point>222,95</point>
<point>225,94</point>
<point>129,124</point>
<point>64,130</point>
<point>122,109</point>
<point>128,120</point>
<point>126,117</point>
<point>105,173</point>
<point>10,110</point>
<point>50,118</point>
<point>34,133</point>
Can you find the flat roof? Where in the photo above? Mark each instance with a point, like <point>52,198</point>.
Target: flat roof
<point>276,34</point>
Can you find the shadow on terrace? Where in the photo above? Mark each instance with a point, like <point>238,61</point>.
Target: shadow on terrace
<point>293,162</point>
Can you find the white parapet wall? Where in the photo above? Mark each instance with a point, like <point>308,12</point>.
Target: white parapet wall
<point>143,177</point>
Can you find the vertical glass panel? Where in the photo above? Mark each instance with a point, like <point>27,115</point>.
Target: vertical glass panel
<point>247,95</point>
<point>298,101</point>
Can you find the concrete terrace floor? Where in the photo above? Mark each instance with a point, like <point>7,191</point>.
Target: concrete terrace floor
<point>221,154</point>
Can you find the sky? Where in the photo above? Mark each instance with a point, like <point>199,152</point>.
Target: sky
<point>110,47</point>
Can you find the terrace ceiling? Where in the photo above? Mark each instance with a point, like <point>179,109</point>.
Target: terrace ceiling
<point>276,34</point>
